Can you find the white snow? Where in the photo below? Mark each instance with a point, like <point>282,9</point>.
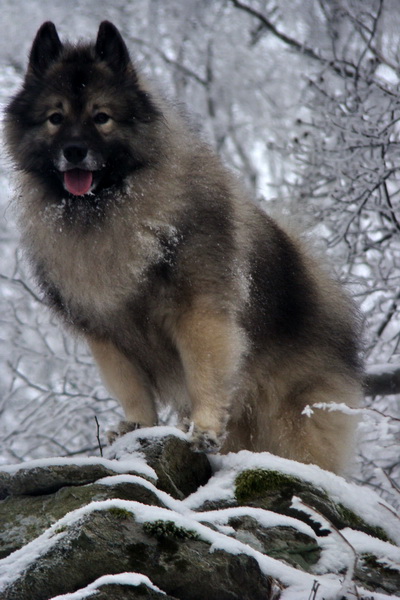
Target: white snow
<point>386,553</point>
<point>123,447</point>
<point>134,579</point>
<point>165,498</point>
<point>266,518</point>
<point>387,74</point>
<point>332,407</point>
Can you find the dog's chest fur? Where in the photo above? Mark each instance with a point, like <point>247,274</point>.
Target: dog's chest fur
<point>92,276</point>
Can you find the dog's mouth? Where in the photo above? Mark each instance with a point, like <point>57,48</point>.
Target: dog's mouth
<point>78,181</point>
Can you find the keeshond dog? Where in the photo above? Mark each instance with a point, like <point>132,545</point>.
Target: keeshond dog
<point>185,290</point>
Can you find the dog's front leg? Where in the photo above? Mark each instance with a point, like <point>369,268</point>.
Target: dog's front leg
<point>125,383</point>
<point>211,347</point>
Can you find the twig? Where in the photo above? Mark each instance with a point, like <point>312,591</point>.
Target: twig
<point>23,284</point>
<point>98,436</point>
<point>341,68</point>
<point>348,582</point>
<point>314,590</point>
<point>391,312</point>
<point>392,512</point>
<point>393,484</point>
<point>306,50</point>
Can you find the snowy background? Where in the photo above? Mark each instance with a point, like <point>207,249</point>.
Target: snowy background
<point>302,101</point>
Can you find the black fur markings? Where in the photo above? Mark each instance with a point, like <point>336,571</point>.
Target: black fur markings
<point>46,48</point>
<point>111,48</point>
<point>282,293</point>
<point>51,295</point>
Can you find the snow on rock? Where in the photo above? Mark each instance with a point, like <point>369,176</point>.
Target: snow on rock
<point>238,533</point>
<point>125,446</point>
<point>363,501</point>
<point>136,463</point>
<point>125,579</point>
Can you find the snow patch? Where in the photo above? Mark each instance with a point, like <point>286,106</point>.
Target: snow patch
<point>131,463</point>
<point>134,579</point>
<point>363,501</point>
<point>130,443</point>
<point>165,498</point>
<point>265,518</point>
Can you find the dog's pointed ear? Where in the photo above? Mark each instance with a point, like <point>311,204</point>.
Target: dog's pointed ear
<point>111,48</point>
<point>46,48</point>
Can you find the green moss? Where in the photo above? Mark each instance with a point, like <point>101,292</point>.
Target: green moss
<point>61,529</point>
<point>168,529</point>
<point>356,522</point>
<point>254,482</point>
<point>120,513</point>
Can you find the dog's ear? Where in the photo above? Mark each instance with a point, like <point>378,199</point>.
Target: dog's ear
<point>111,48</point>
<point>46,48</point>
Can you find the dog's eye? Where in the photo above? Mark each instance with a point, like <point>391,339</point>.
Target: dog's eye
<point>101,118</point>
<point>56,118</point>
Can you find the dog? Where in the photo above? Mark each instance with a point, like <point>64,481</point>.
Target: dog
<point>184,289</point>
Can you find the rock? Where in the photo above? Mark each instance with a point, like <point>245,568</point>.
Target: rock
<point>98,517</point>
<point>111,541</point>
<point>55,490</point>
<point>283,543</point>
<point>180,471</point>
<point>274,491</point>
<point>50,478</point>
<point>377,577</point>
<point>25,517</point>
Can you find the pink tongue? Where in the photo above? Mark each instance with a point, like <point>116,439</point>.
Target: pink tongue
<point>78,181</point>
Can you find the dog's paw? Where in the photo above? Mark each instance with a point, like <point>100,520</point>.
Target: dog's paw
<point>123,428</point>
<point>204,440</point>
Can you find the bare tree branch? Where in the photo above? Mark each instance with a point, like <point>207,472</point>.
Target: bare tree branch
<point>293,43</point>
<point>22,284</point>
<point>382,383</point>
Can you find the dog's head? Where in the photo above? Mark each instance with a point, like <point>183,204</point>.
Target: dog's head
<point>82,121</point>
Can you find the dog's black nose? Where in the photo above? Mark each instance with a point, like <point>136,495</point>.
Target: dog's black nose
<point>75,152</point>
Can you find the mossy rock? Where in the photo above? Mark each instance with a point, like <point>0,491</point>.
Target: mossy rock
<point>283,543</point>
<point>354,521</point>
<point>168,529</point>
<point>25,517</point>
<point>255,483</point>
<point>104,542</point>
<point>273,490</point>
<point>120,513</point>
<point>179,469</point>
<point>378,577</point>
<point>51,478</point>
